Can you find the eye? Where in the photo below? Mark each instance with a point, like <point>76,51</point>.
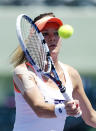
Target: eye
<point>56,33</point>
<point>45,33</point>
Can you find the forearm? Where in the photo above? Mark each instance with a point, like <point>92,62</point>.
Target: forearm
<point>45,110</point>
<point>38,105</point>
<point>92,121</point>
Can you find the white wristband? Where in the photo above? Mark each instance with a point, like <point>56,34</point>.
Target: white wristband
<point>60,110</point>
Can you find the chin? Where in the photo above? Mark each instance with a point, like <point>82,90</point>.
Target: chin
<point>53,54</point>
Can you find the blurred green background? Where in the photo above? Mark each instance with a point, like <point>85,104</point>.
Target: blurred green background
<point>78,51</point>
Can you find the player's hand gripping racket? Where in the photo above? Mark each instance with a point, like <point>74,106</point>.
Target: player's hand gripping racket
<point>36,51</point>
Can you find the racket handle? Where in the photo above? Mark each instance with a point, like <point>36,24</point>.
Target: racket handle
<point>68,98</point>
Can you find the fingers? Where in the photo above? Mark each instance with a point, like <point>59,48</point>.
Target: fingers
<point>73,112</point>
<point>72,108</point>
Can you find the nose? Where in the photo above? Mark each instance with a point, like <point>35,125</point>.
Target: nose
<point>51,37</point>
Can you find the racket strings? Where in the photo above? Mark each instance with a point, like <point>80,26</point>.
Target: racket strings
<point>36,51</point>
<point>34,44</point>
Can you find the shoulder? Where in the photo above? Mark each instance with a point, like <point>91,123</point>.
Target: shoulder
<point>19,71</point>
<point>74,75</point>
<point>71,70</point>
<point>20,67</point>
<point>23,70</point>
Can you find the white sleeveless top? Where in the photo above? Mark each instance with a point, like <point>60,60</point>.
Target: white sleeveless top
<point>27,120</point>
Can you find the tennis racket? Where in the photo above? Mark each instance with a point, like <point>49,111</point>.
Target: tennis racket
<point>36,51</point>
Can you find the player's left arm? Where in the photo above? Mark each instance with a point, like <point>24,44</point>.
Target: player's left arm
<point>88,113</point>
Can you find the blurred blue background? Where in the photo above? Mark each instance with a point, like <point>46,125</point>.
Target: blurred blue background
<point>78,51</point>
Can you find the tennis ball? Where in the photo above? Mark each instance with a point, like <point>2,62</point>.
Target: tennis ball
<point>65,31</point>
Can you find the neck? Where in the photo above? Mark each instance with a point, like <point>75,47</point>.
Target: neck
<point>57,67</point>
<point>56,63</point>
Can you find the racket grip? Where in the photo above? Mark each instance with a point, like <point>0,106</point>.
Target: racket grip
<point>68,98</point>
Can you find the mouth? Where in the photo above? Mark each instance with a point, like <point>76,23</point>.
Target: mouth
<point>52,46</point>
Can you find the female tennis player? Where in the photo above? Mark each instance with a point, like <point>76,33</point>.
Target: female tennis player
<point>40,106</point>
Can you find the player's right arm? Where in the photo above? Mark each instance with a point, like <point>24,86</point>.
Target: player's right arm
<point>31,93</point>
<point>28,86</point>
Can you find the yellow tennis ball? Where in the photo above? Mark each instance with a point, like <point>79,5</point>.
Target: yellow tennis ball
<point>65,31</point>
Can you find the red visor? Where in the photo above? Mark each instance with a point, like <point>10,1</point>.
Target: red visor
<point>43,21</point>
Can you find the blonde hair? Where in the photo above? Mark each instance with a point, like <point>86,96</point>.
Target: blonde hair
<point>17,57</point>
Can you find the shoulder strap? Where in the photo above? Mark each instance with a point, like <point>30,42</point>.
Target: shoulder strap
<point>67,77</point>
<point>18,91</point>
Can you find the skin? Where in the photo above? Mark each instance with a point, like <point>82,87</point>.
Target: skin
<point>35,99</point>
